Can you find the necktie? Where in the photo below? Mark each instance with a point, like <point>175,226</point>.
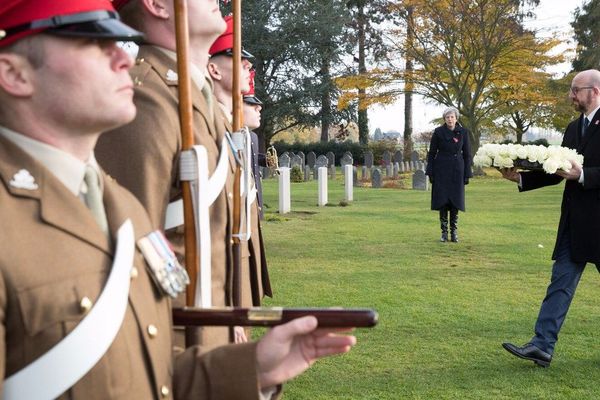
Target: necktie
<point>208,96</point>
<point>586,123</point>
<point>93,197</point>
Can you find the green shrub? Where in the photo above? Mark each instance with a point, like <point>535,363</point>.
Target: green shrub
<point>296,174</point>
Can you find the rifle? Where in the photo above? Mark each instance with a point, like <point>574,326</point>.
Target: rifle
<point>257,316</point>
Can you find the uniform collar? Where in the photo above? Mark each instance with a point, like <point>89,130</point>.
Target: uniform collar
<point>196,73</point>
<point>66,168</point>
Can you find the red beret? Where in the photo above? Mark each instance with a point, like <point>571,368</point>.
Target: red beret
<point>224,43</point>
<point>249,96</point>
<point>83,18</point>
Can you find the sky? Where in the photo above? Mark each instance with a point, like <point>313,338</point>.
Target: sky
<point>551,16</point>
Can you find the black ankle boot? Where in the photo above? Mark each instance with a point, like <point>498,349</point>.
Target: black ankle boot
<point>444,224</point>
<point>454,225</point>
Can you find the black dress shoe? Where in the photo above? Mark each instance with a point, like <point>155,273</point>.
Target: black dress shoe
<point>529,352</point>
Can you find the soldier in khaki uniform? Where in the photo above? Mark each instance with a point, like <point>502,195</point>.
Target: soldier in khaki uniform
<point>144,155</point>
<point>59,89</point>
<point>256,283</point>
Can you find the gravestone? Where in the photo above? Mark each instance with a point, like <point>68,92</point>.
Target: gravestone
<point>387,158</point>
<point>396,170</point>
<point>388,170</point>
<point>347,159</point>
<point>266,172</point>
<point>413,165</point>
<point>369,159</point>
<point>284,191</point>
<point>332,172</point>
<point>311,159</point>
<point>420,165</point>
<point>331,158</point>
<point>284,160</point>
<point>363,172</point>
<point>376,182</point>
<point>398,156</point>
<point>348,182</point>
<point>303,157</point>
<point>321,161</point>
<point>401,167</point>
<point>420,180</point>
<point>307,175</point>
<point>296,161</point>
<point>322,186</point>
<point>355,177</point>
<point>414,156</point>
<point>406,166</point>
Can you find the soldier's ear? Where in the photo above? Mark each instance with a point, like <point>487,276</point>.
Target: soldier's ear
<point>16,75</point>
<point>157,8</point>
<point>214,72</point>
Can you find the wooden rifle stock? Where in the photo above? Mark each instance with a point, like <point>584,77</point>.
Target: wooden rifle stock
<point>230,316</point>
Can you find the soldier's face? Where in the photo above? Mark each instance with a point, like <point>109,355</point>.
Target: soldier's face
<point>205,18</point>
<point>225,69</point>
<point>84,85</point>
<point>252,115</point>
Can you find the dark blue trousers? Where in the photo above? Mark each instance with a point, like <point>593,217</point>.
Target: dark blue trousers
<point>564,281</point>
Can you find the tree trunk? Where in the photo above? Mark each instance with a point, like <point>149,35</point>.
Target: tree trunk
<point>363,116</point>
<point>325,100</point>
<point>408,89</point>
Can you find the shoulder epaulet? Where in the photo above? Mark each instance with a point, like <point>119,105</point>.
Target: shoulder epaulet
<point>140,71</point>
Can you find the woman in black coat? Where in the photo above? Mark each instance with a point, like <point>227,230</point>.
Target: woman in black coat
<point>449,170</point>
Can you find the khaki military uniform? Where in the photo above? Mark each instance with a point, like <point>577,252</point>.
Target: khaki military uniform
<point>255,276</point>
<point>53,254</point>
<point>144,155</point>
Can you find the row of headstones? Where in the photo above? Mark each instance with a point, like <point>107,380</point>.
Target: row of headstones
<point>285,201</point>
<point>419,179</point>
<point>290,160</point>
<point>299,159</point>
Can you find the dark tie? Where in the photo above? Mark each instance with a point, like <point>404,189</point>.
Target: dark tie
<point>586,123</point>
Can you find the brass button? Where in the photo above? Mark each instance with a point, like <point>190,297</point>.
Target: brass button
<point>137,82</point>
<point>133,273</point>
<point>152,330</point>
<point>230,195</point>
<point>164,390</point>
<point>139,61</point>
<point>85,304</point>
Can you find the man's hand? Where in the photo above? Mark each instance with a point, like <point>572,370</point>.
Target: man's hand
<point>289,349</point>
<point>239,334</point>
<point>573,174</point>
<point>511,174</point>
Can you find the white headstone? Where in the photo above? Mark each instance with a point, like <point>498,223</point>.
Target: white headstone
<point>285,202</point>
<point>349,178</point>
<point>322,186</point>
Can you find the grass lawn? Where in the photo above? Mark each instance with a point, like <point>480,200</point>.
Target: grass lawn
<point>444,308</point>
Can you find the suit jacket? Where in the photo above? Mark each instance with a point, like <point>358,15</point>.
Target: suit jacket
<point>449,166</point>
<point>52,254</point>
<point>580,208</point>
<point>144,157</point>
<point>255,275</point>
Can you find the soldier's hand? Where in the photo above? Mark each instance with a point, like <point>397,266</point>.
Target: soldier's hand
<point>573,174</point>
<point>510,173</point>
<point>289,349</point>
<point>239,334</point>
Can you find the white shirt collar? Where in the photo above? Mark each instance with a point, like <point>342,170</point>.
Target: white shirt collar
<point>590,116</point>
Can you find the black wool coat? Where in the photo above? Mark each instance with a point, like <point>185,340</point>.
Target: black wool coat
<point>580,209</point>
<point>449,166</point>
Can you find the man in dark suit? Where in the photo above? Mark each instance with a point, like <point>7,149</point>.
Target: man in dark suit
<point>578,238</point>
